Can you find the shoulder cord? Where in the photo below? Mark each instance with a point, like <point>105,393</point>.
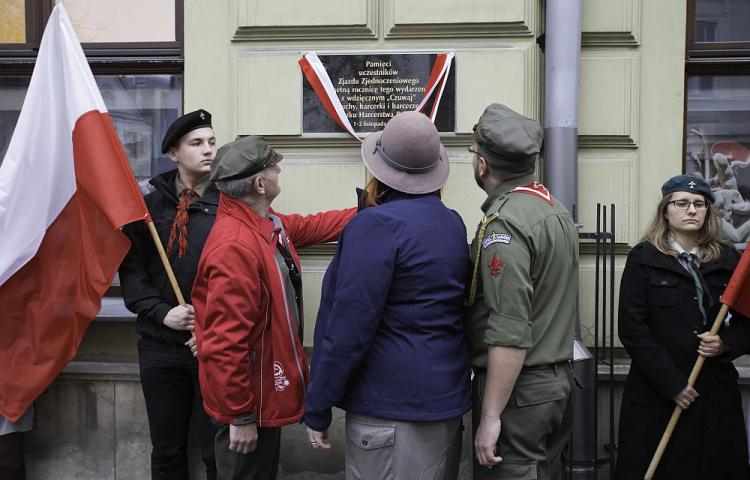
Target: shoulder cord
<point>478,255</point>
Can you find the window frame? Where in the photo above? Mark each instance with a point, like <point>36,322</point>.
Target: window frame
<point>34,16</point>
<point>122,58</point>
<point>715,58</point>
<point>710,50</point>
<point>37,13</point>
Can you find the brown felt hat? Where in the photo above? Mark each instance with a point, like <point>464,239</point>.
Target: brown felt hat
<point>407,154</point>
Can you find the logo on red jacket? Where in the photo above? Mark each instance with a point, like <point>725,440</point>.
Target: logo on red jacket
<point>280,382</point>
<point>496,266</point>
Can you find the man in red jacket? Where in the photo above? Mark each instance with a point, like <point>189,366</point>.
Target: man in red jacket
<point>248,310</point>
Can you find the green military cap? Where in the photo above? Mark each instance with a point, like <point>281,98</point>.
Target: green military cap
<point>243,158</point>
<point>506,137</point>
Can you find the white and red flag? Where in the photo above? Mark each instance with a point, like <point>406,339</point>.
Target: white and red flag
<point>737,293</point>
<point>65,189</point>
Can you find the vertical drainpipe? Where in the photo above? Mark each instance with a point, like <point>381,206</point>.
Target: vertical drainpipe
<point>562,45</point>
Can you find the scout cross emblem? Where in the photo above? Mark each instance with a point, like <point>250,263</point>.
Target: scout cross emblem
<point>691,185</point>
<point>496,266</point>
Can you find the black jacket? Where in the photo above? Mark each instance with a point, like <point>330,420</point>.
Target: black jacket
<point>658,320</point>
<point>145,286</point>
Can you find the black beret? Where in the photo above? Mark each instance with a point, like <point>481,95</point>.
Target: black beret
<point>185,124</point>
<point>243,158</point>
<point>687,183</point>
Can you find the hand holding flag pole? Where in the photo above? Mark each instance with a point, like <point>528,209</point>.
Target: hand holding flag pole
<point>736,296</point>
<point>677,410</point>
<point>167,266</point>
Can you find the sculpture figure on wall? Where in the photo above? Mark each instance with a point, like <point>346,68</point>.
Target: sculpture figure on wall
<point>725,165</point>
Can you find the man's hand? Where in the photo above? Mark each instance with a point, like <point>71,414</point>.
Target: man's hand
<point>192,345</point>
<point>318,439</point>
<point>485,442</point>
<point>243,439</point>
<point>711,345</point>
<point>686,396</point>
<point>181,318</point>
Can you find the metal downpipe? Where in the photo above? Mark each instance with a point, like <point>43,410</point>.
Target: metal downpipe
<point>560,174</point>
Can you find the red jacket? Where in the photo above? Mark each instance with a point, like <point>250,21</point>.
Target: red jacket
<point>249,353</point>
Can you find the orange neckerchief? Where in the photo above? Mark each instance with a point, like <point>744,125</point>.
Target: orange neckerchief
<point>179,227</point>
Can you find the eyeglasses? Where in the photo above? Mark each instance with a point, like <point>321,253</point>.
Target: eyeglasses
<point>473,151</point>
<point>699,205</point>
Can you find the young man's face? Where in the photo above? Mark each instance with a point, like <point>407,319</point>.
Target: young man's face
<point>194,152</point>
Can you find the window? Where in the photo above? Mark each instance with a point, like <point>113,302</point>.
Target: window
<point>115,21</point>
<point>717,118</point>
<point>137,61</point>
<point>13,21</point>
<point>718,27</point>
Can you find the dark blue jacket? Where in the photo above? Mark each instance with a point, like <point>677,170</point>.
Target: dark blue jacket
<point>389,340</point>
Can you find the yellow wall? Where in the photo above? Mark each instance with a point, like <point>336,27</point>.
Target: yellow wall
<point>241,64</point>
<point>631,116</point>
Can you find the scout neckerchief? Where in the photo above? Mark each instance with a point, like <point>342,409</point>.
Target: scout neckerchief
<point>294,274</point>
<point>690,261</point>
<point>178,232</point>
<point>534,188</point>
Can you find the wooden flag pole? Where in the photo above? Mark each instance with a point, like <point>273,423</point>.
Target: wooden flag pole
<point>167,266</point>
<point>677,410</point>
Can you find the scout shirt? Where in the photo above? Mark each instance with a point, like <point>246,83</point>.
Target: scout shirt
<point>526,278</point>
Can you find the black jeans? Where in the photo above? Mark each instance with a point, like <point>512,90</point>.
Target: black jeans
<point>11,457</point>
<point>260,464</point>
<point>169,377</point>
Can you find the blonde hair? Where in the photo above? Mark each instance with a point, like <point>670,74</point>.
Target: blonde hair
<point>375,189</point>
<point>709,241</point>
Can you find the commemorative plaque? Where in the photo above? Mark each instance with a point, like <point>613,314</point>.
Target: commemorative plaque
<point>374,88</point>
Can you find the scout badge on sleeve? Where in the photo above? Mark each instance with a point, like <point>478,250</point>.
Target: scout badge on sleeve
<point>496,266</point>
<point>495,238</point>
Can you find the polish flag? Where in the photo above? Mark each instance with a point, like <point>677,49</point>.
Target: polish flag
<point>737,293</point>
<point>65,189</point>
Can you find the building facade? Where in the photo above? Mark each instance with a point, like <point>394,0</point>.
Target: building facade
<point>664,88</point>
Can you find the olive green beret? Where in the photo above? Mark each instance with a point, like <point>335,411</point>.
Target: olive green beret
<point>505,136</point>
<point>243,158</point>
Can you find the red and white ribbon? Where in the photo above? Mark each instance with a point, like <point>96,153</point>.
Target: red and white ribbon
<point>316,74</point>
<point>437,79</point>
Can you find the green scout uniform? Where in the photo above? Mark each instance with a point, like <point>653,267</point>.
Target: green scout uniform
<point>523,294</point>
